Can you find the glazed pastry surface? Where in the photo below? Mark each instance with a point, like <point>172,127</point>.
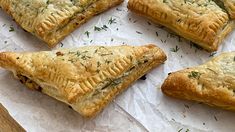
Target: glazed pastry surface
<point>52,20</point>
<point>86,78</point>
<point>205,22</point>
<point>212,83</point>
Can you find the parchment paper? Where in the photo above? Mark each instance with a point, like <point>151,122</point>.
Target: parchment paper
<point>141,108</point>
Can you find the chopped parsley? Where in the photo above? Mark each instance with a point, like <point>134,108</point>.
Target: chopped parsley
<point>112,20</point>
<point>180,130</point>
<point>107,61</point>
<point>104,27</point>
<point>11,29</point>
<point>87,33</point>
<point>157,33</point>
<point>84,57</point>
<point>164,1</point>
<point>97,28</point>
<point>78,54</point>
<point>186,106</point>
<point>106,54</point>
<point>215,118</point>
<point>98,64</point>
<point>194,74</point>
<point>61,44</point>
<point>176,49</point>
<point>118,9</point>
<point>139,32</point>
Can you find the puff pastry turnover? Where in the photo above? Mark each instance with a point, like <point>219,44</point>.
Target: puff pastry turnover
<point>212,83</point>
<point>87,78</point>
<point>52,20</point>
<point>204,22</point>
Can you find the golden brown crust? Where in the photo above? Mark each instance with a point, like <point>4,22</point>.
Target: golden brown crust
<point>51,21</point>
<point>212,83</point>
<point>230,7</point>
<point>87,78</point>
<point>202,22</point>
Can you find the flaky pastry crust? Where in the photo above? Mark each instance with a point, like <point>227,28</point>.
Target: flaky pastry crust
<point>212,83</point>
<point>201,21</point>
<point>52,20</point>
<point>86,78</point>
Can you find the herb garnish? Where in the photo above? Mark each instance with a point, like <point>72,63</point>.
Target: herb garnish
<point>98,64</point>
<point>11,29</point>
<point>215,118</point>
<point>139,32</point>
<point>157,33</point>
<point>186,106</point>
<point>61,44</point>
<point>234,58</point>
<point>78,54</point>
<point>107,61</point>
<point>87,33</point>
<point>194,74</point>
<point>112,20</point>
<point>97,28</point>
<point>180,130</point>
<point>104,27</point>
<point>176,49</point>
<point>118,9</point>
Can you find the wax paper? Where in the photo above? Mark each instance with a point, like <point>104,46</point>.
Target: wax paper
<point>142,107</point>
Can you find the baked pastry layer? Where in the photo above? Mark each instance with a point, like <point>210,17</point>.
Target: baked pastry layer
<point>86,78</point>
<point>52,20</point>
<point>230,7</point>
<point>212,83</point>
<point>201,21</point>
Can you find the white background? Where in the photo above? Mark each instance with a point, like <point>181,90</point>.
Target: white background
<point>141,108</point>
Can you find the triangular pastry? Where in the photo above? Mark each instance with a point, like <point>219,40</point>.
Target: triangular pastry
<point>212,83</point>
<point>52,20</point>
<point>204,22</point>
<point>86,78</point>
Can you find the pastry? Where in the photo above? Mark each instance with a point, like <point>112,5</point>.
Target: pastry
<point>204,22</point>
<point>52,20</point>
<point>229,6</point>
<point>86,78</point>
<point>212,83</point>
